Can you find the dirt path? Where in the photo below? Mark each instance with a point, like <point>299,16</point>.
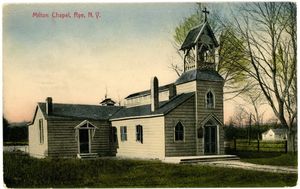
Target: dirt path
<point>251,166</point>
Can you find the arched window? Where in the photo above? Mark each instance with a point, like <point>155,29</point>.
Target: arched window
<point>209,100</point>
<point>179,132</point>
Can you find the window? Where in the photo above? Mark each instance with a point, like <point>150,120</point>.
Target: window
<point>41,131</point>
<point>123,133</point>
<point>114,135</point>
<point>209,100</point>
<point>179,132</point>
<point>139,133</point>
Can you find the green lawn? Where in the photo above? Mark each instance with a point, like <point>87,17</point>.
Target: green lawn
<point>24,171</point>
<point>269,158</point>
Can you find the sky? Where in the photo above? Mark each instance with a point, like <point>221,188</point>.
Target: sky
<point>76,60</point>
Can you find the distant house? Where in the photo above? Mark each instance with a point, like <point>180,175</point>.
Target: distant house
<point>184,118</point>
<point>275,134</point>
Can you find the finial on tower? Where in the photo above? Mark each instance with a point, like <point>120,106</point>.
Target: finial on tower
<point>206,12</point>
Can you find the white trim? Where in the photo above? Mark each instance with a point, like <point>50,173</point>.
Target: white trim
<point>218,135</point>
<point>88,125</point>
<point>126,138</point>
<point>197,121</point>
<point>142,134</point>
<point>211,117</point>
<point>41,131</point>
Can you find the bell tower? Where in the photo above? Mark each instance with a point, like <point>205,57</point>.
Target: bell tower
<point>199,47</point>
<point>201,78</point>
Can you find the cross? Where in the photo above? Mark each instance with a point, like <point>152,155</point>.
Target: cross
<point>205,14</point>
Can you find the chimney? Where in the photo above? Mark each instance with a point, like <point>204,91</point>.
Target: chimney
<point>49,105</point>
<point>172,90</point>
<point>154,94</point>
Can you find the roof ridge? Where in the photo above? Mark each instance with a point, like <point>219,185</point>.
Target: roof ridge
<point>96,105</point>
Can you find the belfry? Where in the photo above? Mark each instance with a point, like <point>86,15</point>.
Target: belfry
<point>199,47</point>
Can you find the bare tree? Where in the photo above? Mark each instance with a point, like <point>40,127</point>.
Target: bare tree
<point>269,32</point>
<point>240,117</point>
<point>255,99</point>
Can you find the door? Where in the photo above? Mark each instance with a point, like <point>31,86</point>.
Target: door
<point>84,140</point>
<point>210,140</point>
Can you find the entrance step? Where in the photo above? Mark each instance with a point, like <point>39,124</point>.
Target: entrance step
<point>87,155</point>
<point>209,159</point>
<point>197,159</point>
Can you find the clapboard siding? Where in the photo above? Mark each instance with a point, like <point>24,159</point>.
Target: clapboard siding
<point>186,87</point>
<point>35,148</point>
<point>153,138</point>
<point>203,112</point>
<point>142,100</point>
<point>185,113</point>
<point>63,141</point>
<point>217,88</point>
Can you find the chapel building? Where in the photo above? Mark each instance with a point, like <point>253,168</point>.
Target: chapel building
<point>184,118</point>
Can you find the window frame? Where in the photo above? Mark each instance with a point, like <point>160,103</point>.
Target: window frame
<point>41,131</point>
<point>139,134</point>
<point>207,104</point>
<point>123,133</point>
<point>182,132</point>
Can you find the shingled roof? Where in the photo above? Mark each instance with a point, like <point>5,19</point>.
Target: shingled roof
<point>145,110</point>
<point>199,74</point>
<point>194,35</point>
<point>94,112</point>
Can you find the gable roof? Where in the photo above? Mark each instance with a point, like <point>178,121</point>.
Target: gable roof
<point>194,35</point>
<point>276,131</point>
<point>79,111</point>
<point>107,101</point>
<point>279,131</point>
<point>211,117</point>
<point>145,110</point>
<point>147,92</point>
<point>199,74</point>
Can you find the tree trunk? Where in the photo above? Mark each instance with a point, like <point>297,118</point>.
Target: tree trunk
<point>291,142</point>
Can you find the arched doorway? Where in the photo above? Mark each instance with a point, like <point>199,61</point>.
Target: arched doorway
<point>210,138</point>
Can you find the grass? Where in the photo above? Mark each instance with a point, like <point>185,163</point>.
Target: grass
<point>16,143</point>
<point>269,158</point>
<point>24,171</point>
